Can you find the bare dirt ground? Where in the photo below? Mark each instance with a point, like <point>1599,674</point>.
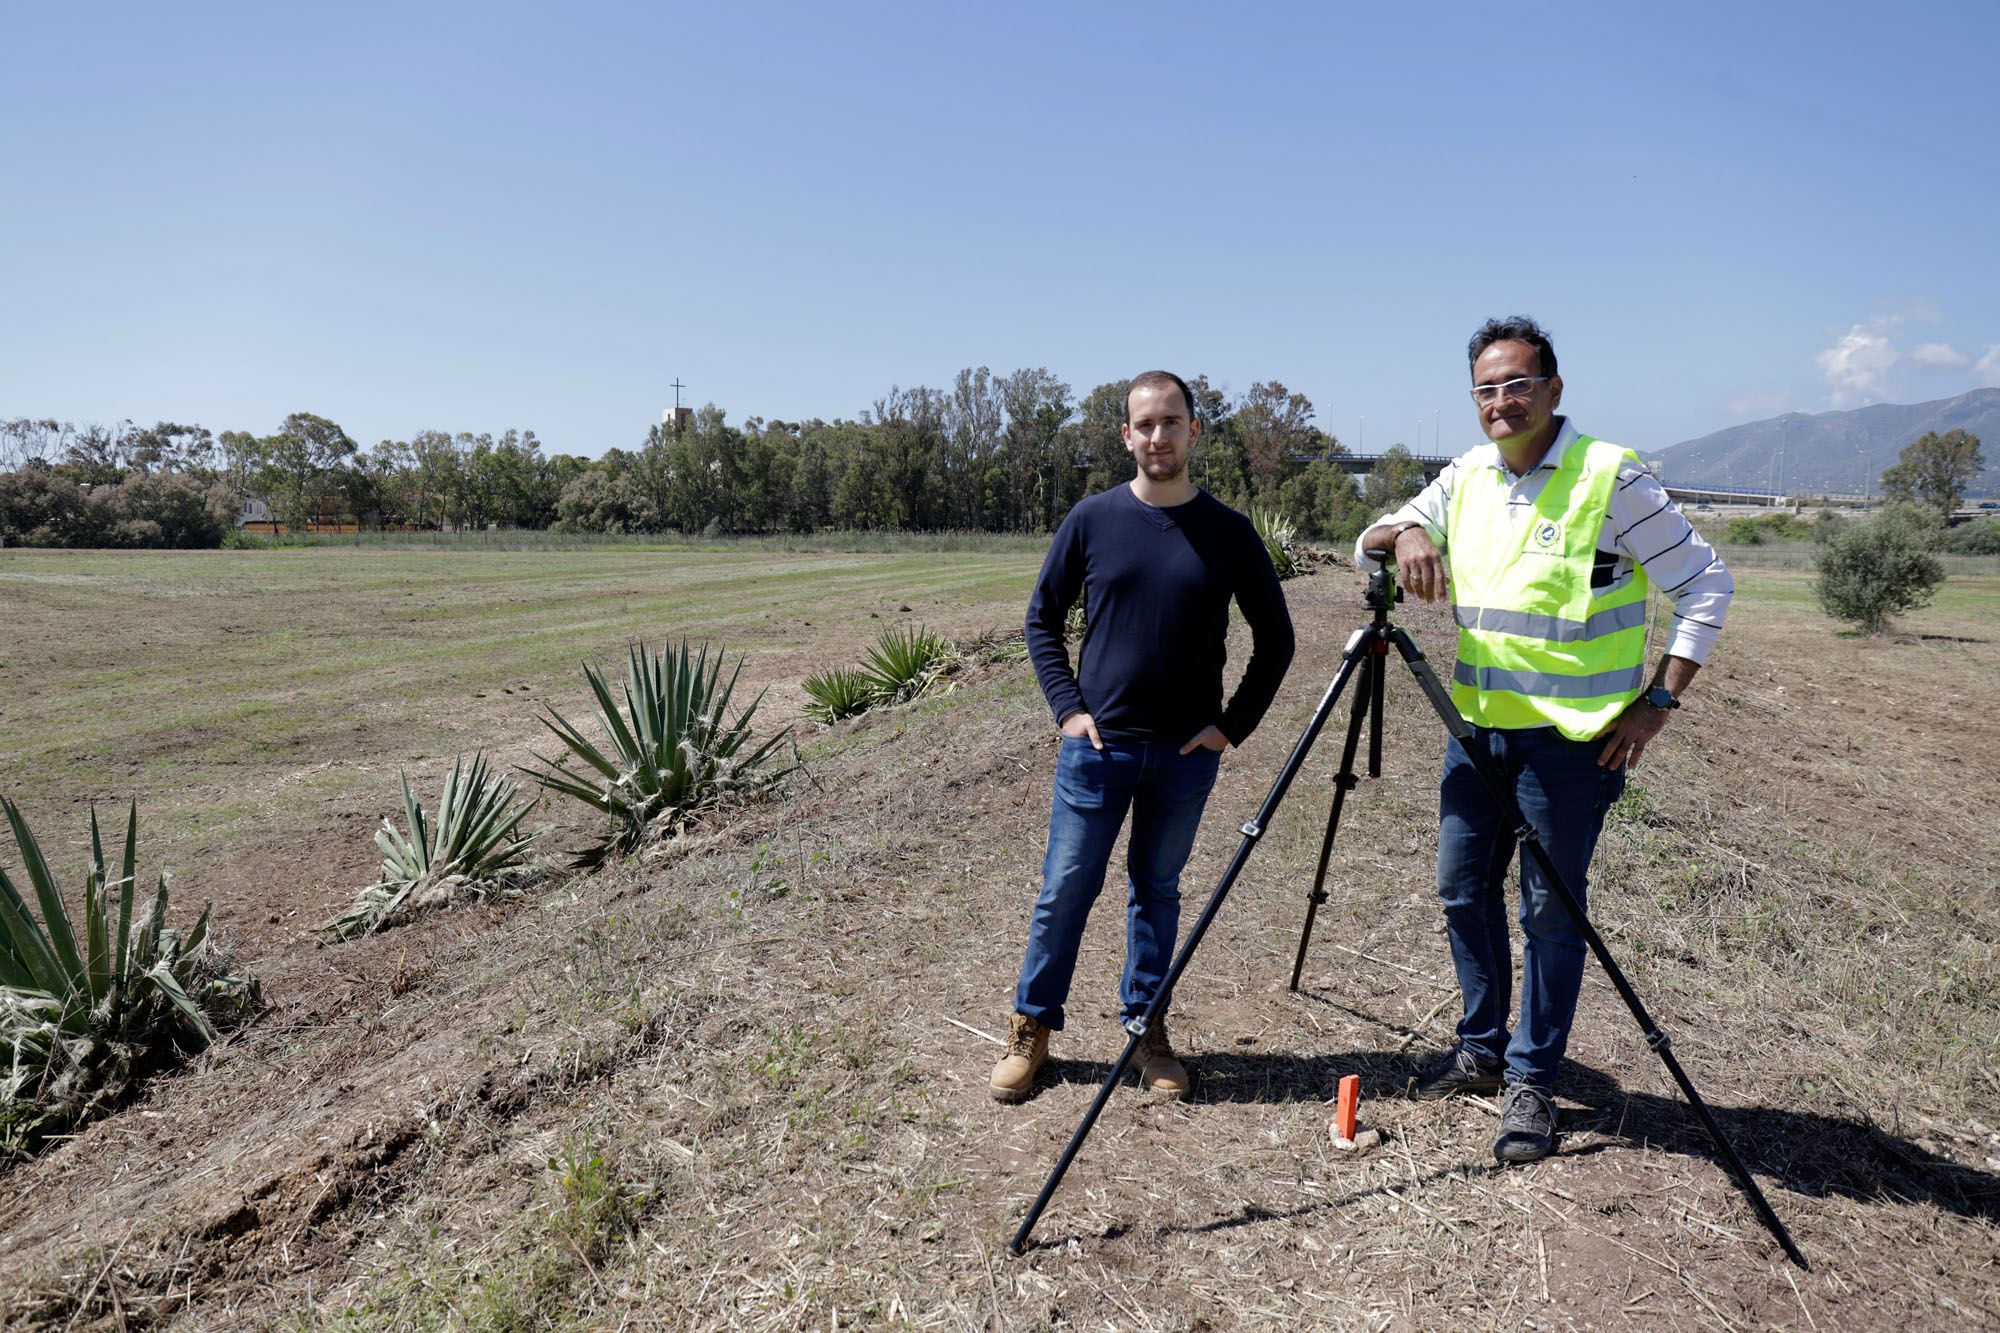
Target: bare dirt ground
<point>740,1083</point>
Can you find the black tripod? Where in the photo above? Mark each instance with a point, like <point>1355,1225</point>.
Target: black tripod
<point>1367,651</point>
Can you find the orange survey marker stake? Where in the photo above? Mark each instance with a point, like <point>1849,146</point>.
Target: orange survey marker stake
<point>1348,1105</point>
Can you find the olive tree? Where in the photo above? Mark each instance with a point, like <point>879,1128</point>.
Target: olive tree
<point>1872,571</point>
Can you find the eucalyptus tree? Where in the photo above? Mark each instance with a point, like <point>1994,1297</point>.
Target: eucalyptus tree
<point>168,447</point>
<point>300,468</point>
<point>1102,456</point>
<point>1275,425</point>
<point>973,415</point>
<point>1038,406</point>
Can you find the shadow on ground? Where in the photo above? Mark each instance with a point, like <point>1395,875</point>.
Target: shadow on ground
<point>1806,1152</point>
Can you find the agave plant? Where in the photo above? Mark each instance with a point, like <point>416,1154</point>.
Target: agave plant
<point>838,692</point>
<point>670,752</point>
<point>905,661</point>
<point>473,849</point>
<point>1075,622</point>
<point>1280,538</point>
<point>89,1005</point>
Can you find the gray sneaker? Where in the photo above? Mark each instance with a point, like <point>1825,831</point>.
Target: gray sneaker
<point>1527,1126</point>
<point>1460,1071</point>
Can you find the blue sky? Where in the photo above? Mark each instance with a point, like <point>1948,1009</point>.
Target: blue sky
<point>471,218</point>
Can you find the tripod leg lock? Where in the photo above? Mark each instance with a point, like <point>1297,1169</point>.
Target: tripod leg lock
<point>1526,834</point>
<point>1135,1025</point>
<point>1250,828</point>
<point>1658,1042</point>
<point>1346,781</point>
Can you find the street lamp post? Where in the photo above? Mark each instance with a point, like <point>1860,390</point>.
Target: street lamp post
<point>1784,440</point>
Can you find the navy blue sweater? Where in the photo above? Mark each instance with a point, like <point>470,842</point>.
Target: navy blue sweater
<point>1156,585</point>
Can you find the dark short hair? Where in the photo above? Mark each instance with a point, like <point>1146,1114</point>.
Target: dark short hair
<point>1513,329</point>
<point>1158,379</point>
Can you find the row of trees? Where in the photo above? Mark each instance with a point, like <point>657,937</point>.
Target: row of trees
<point>1007,453</point>
<point>95,486</point>
<point>991,452</point>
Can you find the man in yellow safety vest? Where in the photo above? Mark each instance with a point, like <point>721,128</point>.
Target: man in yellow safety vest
<point>1552,539</point>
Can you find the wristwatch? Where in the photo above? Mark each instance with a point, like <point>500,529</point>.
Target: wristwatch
<point>1659,697</point>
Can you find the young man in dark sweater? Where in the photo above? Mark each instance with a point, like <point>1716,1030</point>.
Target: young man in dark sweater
<point>1156,562</point>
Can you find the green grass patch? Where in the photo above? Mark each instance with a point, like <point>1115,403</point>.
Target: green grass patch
<point>264,679</point>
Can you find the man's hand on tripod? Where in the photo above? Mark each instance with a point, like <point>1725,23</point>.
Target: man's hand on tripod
<point>1420,563</point>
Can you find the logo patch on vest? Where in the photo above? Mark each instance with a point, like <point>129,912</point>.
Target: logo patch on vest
<point>1547,536</point>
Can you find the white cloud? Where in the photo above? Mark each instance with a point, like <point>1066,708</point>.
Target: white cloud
<point>1989,367</point>
<point>1857,366</point>
<point>1937,356</point>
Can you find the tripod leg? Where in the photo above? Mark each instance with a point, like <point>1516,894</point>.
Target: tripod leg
<point>1531,845</point>
<point>1251,830</point>
<point>1367,700</point>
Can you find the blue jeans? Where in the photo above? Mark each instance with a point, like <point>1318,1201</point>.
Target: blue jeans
<point>1165,791</point>
<point>1564,795</point>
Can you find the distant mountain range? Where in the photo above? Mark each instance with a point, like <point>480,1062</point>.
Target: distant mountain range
<point>1837,452</point>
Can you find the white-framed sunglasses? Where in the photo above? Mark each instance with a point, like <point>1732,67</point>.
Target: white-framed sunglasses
<point>1520,388</point>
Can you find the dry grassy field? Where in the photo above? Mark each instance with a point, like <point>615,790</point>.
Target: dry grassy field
<point>740,1082</point>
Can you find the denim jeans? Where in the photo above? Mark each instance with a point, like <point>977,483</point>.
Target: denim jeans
<point>1165,791</point>
<point>1564,795</point>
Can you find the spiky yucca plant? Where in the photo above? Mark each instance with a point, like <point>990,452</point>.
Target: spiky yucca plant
<point>89,1005</point>
<point>473,849</point>
<point>904,662</point>
<point>837,693</point>
<point>1280,538</point>
<point>671,751</point>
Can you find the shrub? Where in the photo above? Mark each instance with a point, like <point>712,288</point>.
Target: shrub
<point>1324,503</point>
<point>1875,570</point>
<point>173,510</point>
<point>472,848</point>
<point>1979,537</point>
<point>89,1006</point>
<point>670,753</point>
<point>43,508</point>
<point>1748,531</point>
<point>1917,525</point>
<point>905,661</point>
<point>838,692</point>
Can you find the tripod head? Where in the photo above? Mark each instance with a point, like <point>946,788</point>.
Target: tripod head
<point>1382,590</point>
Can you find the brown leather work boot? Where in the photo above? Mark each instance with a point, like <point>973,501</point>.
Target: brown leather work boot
<point>1159,1071</point>
<point>1027,1047</point>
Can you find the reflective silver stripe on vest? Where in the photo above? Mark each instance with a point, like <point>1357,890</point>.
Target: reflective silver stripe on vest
<point>1543,685</point>
<point>1554,629</point>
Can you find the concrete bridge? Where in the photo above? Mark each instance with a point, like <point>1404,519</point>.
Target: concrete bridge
<point>1691,493</point>
<point>1360,465</point>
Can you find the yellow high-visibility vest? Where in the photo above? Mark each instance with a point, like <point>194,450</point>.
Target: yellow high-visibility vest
<point>1536,646</point>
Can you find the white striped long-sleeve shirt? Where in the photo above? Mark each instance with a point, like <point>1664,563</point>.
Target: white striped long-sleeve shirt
<point>1643,528</point>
